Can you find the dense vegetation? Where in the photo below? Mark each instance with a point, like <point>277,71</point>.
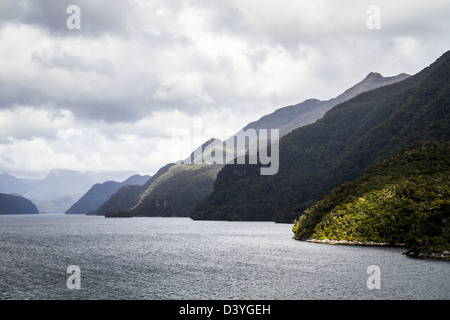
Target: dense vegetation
<point>174,193</point>
<point>119,214</point>
<point>101,192</point>
<point>94,198</point>
<point>128,196</point>
<point>336,149</point>
<point>403,199</point>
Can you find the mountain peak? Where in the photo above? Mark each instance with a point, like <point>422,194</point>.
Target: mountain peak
<point>377,77</point>
<point>373,75</point>
<point>58,171</point>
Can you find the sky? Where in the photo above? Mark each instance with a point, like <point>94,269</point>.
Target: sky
<point>123,85</point>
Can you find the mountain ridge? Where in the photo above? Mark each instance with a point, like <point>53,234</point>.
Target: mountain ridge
<point>318,157</point>
<point>11,184</point>
<point>16,204</point>
<point>177,191</point>
<point>100,192</point>
<point>291,117</point>
<point>128,196</point>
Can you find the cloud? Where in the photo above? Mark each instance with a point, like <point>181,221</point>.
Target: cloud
<point>138,74</point>
<point>27,123</point>
<point>34,140</point>
<point>98,17</point>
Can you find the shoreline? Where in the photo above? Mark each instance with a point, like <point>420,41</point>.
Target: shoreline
<point>445,255</point>
<point>354,242</point>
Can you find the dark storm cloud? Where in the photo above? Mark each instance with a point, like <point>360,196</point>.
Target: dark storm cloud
<point>124,88</point>
<point>156,58</point>
<point>68,61</point>
<point>13,93</point>
<point>109,110</point>
<point>115,94</point>
<point>11,10</point>
<point>97,17</point>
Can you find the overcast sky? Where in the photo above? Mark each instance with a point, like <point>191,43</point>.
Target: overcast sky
<point>126,90</point>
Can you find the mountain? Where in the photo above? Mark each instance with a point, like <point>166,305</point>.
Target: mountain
<point>62,182</point>
<point>172,191</point>
<point>136,179</point>
<point>15,204</point>
<point>339,147</point>
<point>403,199</point>
<point>100,192</point>
<point>60,188</point>
<point>292,117</point>
<point>176,192</point>
<point>202,154</point>
<point>56,205</point>
<point>11,184</point>
<point>285,119</point>
<point>128,195</point>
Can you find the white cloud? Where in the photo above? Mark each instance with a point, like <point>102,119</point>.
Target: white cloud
<point>44,140</point>
<point>125,90</point>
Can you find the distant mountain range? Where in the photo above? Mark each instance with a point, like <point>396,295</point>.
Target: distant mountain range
<point>172,192</point>
<point>62,182</point>
<point>288,118</point>
<point>128,196</point>
<point>339,147</point>
<point>11,184</point>
<point>100,192</point>
<point>323,145</point>
<point>59,189</point>
<point>176,192</point>
<point>292,117</point>
<point>177,188</point>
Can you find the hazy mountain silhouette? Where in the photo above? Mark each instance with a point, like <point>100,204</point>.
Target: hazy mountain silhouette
<point>100,192</point>
<point>16,204</point>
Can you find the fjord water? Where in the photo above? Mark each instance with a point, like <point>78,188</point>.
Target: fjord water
<point>177,258</point>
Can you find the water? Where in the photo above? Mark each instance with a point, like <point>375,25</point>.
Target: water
<point>177,258</point>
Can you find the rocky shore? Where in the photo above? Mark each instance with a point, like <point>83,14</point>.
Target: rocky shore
<point>445,255</point>
<point>354,242</point>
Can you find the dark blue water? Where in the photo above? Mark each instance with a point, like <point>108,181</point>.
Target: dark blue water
<point>177,258</point>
